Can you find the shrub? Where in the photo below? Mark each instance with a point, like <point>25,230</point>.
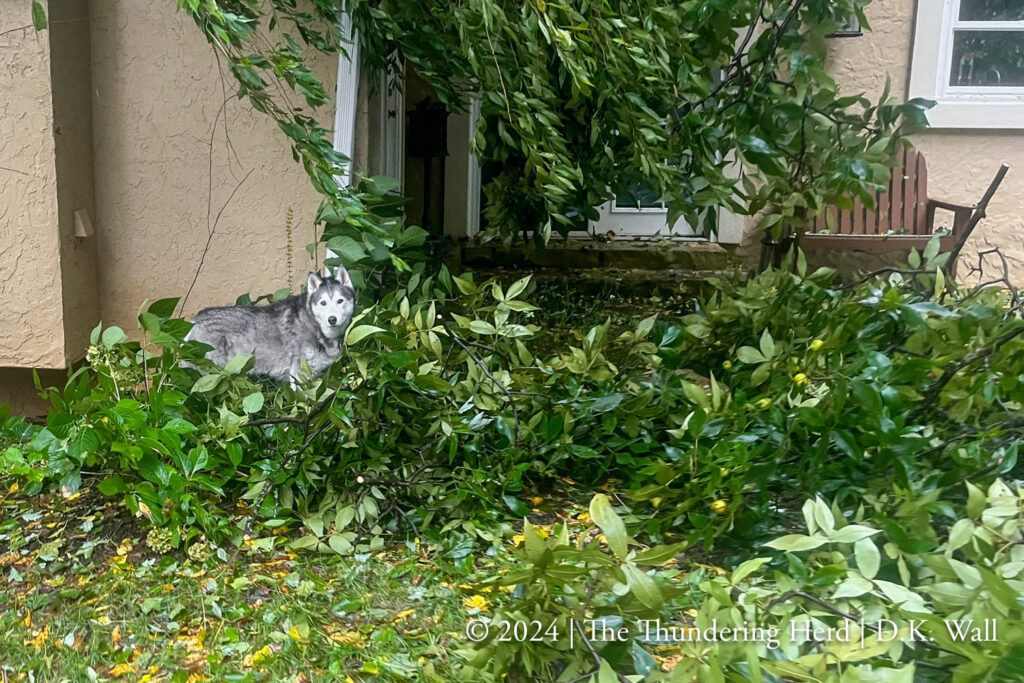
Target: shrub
<point>718,422</point>
<point>845,601</point>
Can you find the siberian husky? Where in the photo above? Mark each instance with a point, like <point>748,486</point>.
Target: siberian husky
<point>308,326</point>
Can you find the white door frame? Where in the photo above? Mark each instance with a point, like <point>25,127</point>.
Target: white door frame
<point>346,98</point>
<point>462,175</point>
<point>390,113</point>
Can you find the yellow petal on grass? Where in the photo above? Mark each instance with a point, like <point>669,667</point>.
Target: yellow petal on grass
<point>27,621</point>
<point>257,657</point>
<point>40,638</point>
<point>122,669</point>
<point>476,602</point>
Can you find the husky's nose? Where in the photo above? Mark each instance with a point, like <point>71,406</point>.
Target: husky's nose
<point>332,320</point>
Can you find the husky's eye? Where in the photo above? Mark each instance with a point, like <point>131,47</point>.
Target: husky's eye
<point>324,302</point>
<point>341,301</point>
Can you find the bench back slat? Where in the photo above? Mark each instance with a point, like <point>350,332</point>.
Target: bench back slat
<point>901,208</point>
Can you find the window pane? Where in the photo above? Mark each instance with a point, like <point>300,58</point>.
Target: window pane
<point>991,10</point>
<point>637,196</point>
<point>992,59</point>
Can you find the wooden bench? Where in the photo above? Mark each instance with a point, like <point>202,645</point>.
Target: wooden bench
<point>904,217</point>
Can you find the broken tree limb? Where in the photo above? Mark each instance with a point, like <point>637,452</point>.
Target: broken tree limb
<point>979,213</point>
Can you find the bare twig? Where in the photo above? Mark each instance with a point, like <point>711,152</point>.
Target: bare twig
<point>930,400</point>
<point>593,652</point>
<point>13,30</point>
<point>882,271</point>
<point>209,239</point>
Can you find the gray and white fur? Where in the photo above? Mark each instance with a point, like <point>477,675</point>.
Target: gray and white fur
<point>308,326</point>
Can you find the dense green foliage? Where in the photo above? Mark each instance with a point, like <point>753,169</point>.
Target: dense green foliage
<point>447,414</point>
<point>777,386</point>
<point>584,100</point>
<point>845,602</point>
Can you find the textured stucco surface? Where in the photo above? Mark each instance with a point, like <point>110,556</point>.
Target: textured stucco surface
<point>961,163</point>
<point>72,134</point>
<point>30,289</point>
<point>156,96</point>
<point>156,102</point>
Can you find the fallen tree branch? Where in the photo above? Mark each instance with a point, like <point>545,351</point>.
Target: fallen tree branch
<point>487,373</point>
<point>849,617</point>
<point>979,213</point>
<point>287,459</point>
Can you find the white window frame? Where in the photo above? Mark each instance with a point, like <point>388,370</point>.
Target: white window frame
<point>931,65</point>
<point>629,223</point>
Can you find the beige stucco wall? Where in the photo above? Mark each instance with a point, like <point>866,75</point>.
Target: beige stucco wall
<point>171,143</point>
<point>961,163</point>
<point>156,95</point>
<point>73,149</point>
<point>31,308</point>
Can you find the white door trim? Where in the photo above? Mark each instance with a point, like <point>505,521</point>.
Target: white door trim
<point>391,142</point>
<point>462,175</point>
<point>346,97</point>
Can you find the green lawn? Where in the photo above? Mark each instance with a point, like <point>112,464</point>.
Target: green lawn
<point>110,608</point>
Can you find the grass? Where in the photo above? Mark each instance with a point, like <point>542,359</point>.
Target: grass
<point>84,598</point>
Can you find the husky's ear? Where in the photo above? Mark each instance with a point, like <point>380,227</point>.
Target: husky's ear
<point>343,277</point>
<point>313,283</point>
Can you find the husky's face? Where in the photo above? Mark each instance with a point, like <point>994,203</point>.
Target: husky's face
<point>331,300</point>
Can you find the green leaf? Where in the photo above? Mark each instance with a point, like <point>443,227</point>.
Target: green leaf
<point>357,334</point>
<point>340,545</point>
<point>39,16</point>
<point>344,516</point>
<point>164,308</point>
<point>239,364</point>
<point>976,500</point>
<point>611,524</point>
<point>660,554</point>
<point>482,327</point>
<point>749,567</point>
<point>253,403</point>
<point>792,543</point>
<point>348,249</point>
<point>533,542</point>
<point>606,674</point>
<point>852,533</point>
<point>518,507</point>
<point>111,486</point>
<point>643,662</point>
<point>767,344</point>
<point>852,587</point>
<point>642,586</point>
<point>206,384</point>
<point>517,288</point>
<point>755,145</point>
<point>750,355</point>
<point>866,553</point>
<point>112,336</point>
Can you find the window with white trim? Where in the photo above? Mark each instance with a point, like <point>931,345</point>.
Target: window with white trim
<point>969,58</point>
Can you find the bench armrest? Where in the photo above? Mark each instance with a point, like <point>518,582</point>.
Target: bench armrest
<point>961,215</point>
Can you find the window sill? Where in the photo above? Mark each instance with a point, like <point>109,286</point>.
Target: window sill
<point>977,115</point>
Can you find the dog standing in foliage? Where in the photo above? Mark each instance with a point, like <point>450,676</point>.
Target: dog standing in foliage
<point>280,335</point>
